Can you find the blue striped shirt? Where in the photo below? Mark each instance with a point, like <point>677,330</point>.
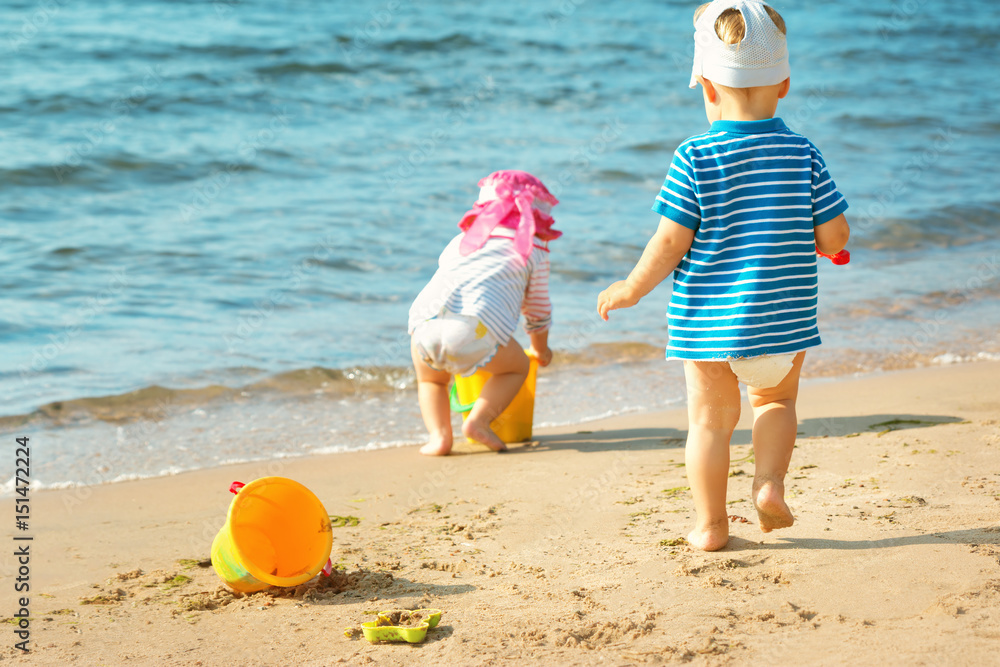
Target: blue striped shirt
<point>753,191</point>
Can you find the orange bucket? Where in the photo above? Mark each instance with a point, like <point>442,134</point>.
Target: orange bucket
<point>277,533</point>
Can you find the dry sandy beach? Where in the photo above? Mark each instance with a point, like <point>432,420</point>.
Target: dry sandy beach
<point>566,551</point>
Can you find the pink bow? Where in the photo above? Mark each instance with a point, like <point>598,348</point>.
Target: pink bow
<point>495,212</point>
<point>512,205</point>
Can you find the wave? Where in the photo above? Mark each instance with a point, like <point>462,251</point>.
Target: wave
<point>946,227</point>
<point>452,42</point>
<point>598,354</point>
<point>873,122</point>
<point>101,169</point>
<point>295,67</point>
<point>58,103</point>
<point>618,175</point>
<point>346,264</point>
<point>666,146</point>
<point>157,402</point>
<point>232,50</point>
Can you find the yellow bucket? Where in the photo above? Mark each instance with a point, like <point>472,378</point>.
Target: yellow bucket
<point>277,533</point>
<point>514,423</point>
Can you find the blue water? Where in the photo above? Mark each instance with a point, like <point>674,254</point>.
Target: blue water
<point>199,195</point>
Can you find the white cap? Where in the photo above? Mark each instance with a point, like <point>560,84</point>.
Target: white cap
<point>761,59</point>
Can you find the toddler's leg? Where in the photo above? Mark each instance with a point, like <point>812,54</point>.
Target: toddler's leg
<point>432,392</point>
<point>713,412</point>
<point>509,368</point>
<point>774,426</point>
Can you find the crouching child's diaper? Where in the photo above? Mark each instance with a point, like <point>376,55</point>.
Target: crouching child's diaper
<point>454,343</point>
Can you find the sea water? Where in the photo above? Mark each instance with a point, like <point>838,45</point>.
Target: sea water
<point>214,215</point>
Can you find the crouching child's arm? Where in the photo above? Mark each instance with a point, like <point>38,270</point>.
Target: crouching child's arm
<point>662,255</point>
<point>540,349</point>
<point>537,310</point>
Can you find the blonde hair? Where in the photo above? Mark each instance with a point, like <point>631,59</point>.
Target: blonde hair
<point>730,26</point>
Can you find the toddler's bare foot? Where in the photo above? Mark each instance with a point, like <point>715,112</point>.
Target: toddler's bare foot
<point>483,434</point>
<point>437,446</point>
<point>710,537</point>
<point>772,512</point>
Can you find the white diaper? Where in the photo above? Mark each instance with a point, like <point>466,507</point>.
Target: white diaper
<point>457,344</point>
<point>763,372</point>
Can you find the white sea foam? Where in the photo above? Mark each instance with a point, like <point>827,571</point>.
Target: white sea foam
<point>949,358</point>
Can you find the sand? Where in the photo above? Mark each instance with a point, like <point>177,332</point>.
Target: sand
<point>567,551</point>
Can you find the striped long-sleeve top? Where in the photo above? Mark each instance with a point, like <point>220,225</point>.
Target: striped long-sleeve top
<point>493,283</point>
<point>753,191</point>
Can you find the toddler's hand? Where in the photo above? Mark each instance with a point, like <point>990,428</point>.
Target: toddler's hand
<point>619,295</point>
<point>544,357</point>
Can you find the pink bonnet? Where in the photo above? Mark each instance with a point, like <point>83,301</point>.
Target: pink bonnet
<point>515,200</point>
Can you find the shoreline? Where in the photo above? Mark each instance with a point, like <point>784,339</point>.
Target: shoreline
<point>566,549</point>
<point>185,426</point>
<point>159,401</point>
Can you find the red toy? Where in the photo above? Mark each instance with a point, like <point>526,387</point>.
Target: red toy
<point>841,258</point>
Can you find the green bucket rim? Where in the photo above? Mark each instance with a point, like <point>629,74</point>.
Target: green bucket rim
<point>456,405</point>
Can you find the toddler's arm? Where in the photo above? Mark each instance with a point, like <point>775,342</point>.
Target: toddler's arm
<point>662,255</point>
<point>540,347</point>
<point>832,236</point>
<point>537,310</point>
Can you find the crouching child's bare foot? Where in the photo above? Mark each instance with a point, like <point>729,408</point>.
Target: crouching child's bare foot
<point>437,446</point>
<point>711,536</point>
<point>483,434</point>
<point>772,512</point>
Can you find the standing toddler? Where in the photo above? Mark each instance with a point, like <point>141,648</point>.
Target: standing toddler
<point>744,208</point>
